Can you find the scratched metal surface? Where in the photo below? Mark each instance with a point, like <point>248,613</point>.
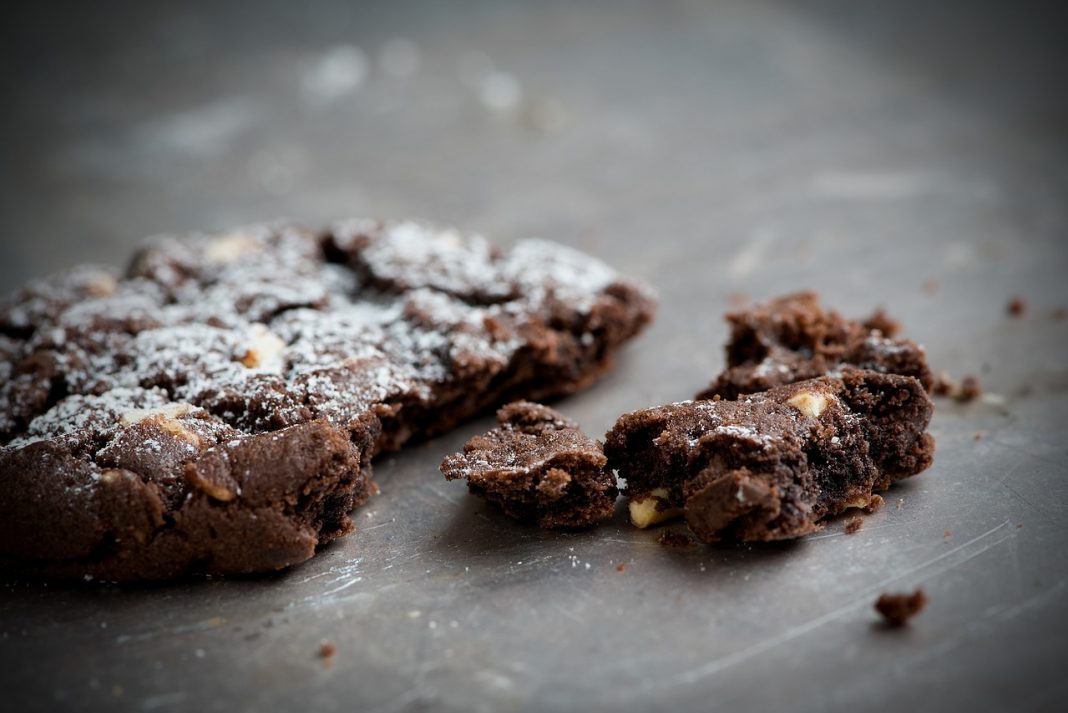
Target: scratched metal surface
<point>900,155</point>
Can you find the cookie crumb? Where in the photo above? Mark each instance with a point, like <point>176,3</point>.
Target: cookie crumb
<point>978,436</point>
<point>620,567</point>
<point>969,388</point>
<point>875,504</point>
<point>947,534</point>
<point>326,653</point>
<point>943,385</point>
<point>1017,307</point>
<point>853,524</point>
<point>897,609</point>
<point>882,322</point>
<point>675,539</point>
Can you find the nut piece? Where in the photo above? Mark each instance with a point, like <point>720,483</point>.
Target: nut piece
<point>861,501</point>
<point>111,475</point>
<point>214,490</point>
<point>264,347</point>
<point>132,416</point>
<point>166,417</point>
<point>102,285</point>
<point>647,511</point>
<point>809,403</point>
<point>229,248</point>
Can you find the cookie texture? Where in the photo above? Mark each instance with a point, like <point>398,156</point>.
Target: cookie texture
<point>772,465</point>
<point>538,466</point>
<point>215,408</point>
<point>792,338</point>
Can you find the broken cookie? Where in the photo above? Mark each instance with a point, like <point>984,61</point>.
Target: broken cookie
<point>215,408</point>
<point>538,466</point>
<point>773,465</point>
<point>792,338</point>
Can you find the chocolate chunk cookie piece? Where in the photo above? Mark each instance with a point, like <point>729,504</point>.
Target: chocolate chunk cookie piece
<point>792,338</point>
<point>772,465</point>
<point>174,490</point>
<point>538,467</point>
<point>134,410</point>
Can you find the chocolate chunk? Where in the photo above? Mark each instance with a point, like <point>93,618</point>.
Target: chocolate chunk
<point>216,409</point>
<point>538,467</point>
<point>792,338</point>
<point>774,464</point>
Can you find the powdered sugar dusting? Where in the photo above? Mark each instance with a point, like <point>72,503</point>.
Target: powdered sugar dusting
<point>257,329</point>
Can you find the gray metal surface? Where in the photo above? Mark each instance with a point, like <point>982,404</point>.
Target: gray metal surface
<point>904,155</point>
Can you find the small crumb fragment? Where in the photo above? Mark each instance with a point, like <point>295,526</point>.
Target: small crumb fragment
<point>883,322</point>
<point>621,567</point>
<point>943,385</point>
<point>1019,525</point>
<point>978,436</point>
<point>969,388</point>
<point>896,609</point>
<point>675,539</point>
<point>1060,313</point>
<point>947,534</point>
<point>1017,307</point>
<point>326,653</point>
<point>875,504</point>
<point>853,524</point>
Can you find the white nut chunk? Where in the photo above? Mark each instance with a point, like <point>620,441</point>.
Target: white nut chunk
<point>129,417</point>
<point>809,403</point>
<point>102,285</point>
<point>228,248</point>
<point>648,511</point>
<point>264,348</point>
<point>166,417</point>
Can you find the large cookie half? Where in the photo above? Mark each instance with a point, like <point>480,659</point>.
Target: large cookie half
<point>215,409</point>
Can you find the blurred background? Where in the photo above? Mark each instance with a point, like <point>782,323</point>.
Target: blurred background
<point>619,126</point>
<point>910,154</point>
<point>900,153</point>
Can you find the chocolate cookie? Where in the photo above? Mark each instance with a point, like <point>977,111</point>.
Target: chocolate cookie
<point>539,467</point>
<point>772,465</point>
<point>792,338</point>
<point>215,408</point>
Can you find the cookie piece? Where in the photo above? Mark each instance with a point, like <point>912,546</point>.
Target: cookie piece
<point>216,408</point>
<point>792,338</point>
<point>897,608</point>
<point>538,466</point>
<point>772,465</point>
